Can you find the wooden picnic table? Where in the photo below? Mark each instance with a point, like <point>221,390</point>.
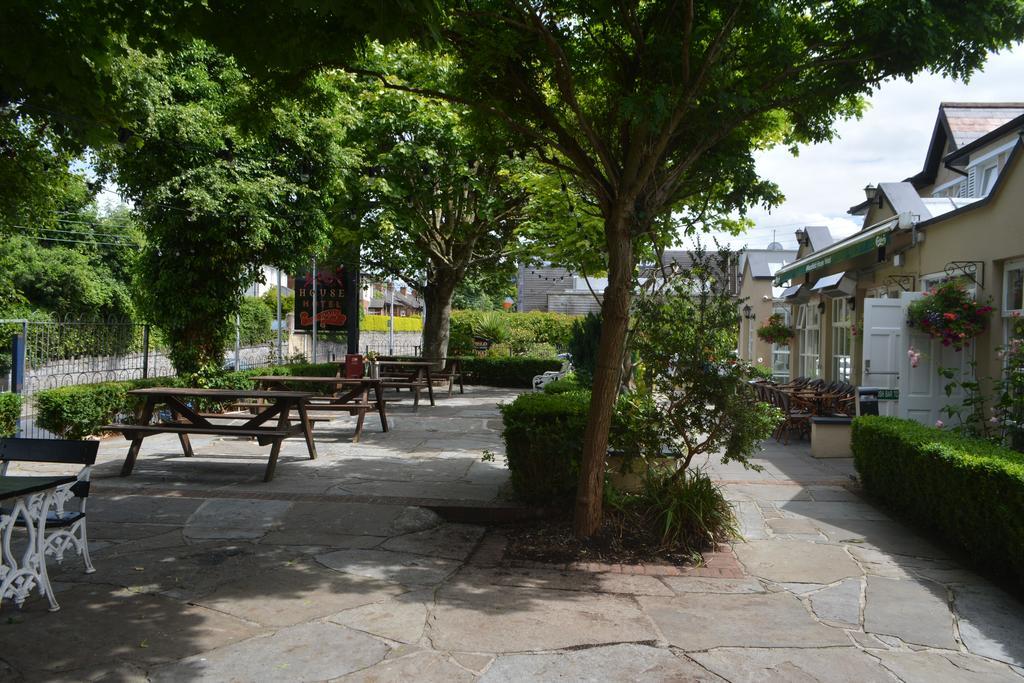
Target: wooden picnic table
<point>188,420</point>
<point>409,374</point>
<point>451,368</point>
<point>349,394</point>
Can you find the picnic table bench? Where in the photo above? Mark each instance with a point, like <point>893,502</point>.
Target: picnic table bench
<point>450,369</point>
<point>188,420</point>
<point>351,395</point>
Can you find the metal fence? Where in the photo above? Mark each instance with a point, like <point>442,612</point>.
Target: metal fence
<point>52,354</point>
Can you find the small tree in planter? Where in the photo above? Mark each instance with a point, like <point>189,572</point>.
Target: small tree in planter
<point>949,312</point>
<point>698,403</point>
<point>686,339</point>
<point>775,331</point>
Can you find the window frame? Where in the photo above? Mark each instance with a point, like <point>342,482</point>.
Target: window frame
<point>1010,267</point>
<point>842,339</point>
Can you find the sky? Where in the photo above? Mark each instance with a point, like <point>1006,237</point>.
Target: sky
<point>887,144</point>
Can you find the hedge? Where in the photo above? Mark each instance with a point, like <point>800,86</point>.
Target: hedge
<point>534,327</point>
<point>10,412</point>
<point>544,443</point>
<point>543,435</point>
<point>379,323</point>
<point>563,385</point>
<point>966,491</point>
<point>75,412</point>
<point>516,371</point>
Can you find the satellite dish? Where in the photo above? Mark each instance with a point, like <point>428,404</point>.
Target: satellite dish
<point>775,246</point>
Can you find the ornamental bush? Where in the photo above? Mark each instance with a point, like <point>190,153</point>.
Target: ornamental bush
<point>949,312</point>
<point>515,371</point>
<point>10,412</point>
<point>543,444</point>
<point>524,330</point>
<point>968,492</point>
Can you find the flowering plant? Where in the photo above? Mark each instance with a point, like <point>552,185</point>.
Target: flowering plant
<point>775,331</point>
<point>948,312</point>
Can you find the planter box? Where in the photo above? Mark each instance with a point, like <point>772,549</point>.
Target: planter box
<point>628,474</point>
<point>830,437</point>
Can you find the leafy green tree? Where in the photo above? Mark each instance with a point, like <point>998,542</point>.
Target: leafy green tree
<point>440,199</point>
<point>685,337</point>
<point>658,107</point>
<point>219,198</point>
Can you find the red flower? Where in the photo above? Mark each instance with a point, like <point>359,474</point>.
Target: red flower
<point>949,316</point>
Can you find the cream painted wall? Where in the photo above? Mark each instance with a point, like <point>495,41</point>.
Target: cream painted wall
<point>754,291</point>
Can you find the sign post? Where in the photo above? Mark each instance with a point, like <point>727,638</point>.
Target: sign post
<point>326,300</point>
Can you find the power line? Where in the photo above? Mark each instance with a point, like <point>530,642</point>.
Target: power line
<point>44,238</point>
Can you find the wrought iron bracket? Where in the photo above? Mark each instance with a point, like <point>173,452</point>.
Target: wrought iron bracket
<point>904,282</point>
<point>972,270</point>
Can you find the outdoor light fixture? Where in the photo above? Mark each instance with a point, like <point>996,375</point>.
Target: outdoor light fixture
<point>852,303</point>
<point>821,307</point>
<point>748,312</point>
<point>873,194</point>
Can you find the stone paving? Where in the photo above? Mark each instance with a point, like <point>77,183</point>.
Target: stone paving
<point>337,570</point>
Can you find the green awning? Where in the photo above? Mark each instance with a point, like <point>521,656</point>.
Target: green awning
<point>848,249</point>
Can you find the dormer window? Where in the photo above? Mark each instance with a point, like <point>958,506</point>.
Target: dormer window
<point>988,176</point>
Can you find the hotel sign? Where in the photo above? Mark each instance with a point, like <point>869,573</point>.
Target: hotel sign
<point>845,253</point>
<point>336,291</point>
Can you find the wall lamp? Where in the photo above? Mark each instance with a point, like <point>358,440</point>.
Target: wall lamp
<point>852,303</point>
<point>748,312</point>
<point>821,307</point>
<point>873,194</point>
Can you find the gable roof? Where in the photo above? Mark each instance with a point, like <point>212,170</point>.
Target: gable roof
<point>958,124</point>
<point>818,236</point>
<point>764,263</point>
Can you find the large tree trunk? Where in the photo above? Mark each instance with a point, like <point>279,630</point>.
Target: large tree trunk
<point>614,326</point>
<point>437,297</point>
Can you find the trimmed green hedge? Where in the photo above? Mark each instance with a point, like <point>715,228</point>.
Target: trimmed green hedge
<point>379,323</point>
<point>10,411</point>
<point>563,385</point>
<point>78,411</point>
<point>967,491</point>
<point>517,371</point>
<point>534,327</point>
<point>543,444</point>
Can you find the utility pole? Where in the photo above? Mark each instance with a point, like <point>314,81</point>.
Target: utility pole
<point>280,354</point>
<point>316,285</point>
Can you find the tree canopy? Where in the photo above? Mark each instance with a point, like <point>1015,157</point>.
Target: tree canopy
<point>219,198</point>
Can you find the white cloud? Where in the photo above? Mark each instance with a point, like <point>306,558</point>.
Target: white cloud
<point>887,144</point>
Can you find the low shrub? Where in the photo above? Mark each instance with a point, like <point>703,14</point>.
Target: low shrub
<point>543,434</point>
<point>967,491</point>
<point>543,443</point>
<point>682,511</point>
<point>563,385</point>
<point>10,412</point>
<point>522,330</point>
<point>75,412</point>
<point>379,323</point>
<point>516,371</point>
<point>584,338</point>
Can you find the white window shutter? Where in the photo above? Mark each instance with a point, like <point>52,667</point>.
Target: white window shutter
<point>972,184</point>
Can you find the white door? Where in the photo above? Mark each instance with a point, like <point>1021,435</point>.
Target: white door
<point>922,390</point>
<point>884,320</point>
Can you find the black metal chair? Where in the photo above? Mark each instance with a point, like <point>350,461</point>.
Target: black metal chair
<point>64,528</point>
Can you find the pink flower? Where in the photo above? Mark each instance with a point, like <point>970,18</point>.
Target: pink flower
<point>940,424</point>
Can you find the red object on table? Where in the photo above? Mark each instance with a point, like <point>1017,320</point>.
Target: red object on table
<point>353,365</point>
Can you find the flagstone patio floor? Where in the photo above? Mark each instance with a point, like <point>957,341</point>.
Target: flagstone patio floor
<point>340,570</point>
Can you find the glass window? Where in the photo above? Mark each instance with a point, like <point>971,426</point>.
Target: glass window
<point>809,333</point>
<point>842,340</point>
<point>988,179</point>
<point>780,352</point>
<point>1013,288</point>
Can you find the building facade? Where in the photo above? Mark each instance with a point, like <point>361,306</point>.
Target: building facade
<point>961,217</point>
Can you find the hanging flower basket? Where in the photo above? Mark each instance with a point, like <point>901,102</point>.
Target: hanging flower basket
<point>948,312</point>
<point>775,331</point>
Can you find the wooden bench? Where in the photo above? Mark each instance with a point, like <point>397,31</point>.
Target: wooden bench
<point>187,420</point>
<point>349,395</point>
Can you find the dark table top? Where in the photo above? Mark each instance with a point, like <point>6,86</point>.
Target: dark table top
<point>15,487</point>
<point>316,380</point>
<point>218,393</point>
